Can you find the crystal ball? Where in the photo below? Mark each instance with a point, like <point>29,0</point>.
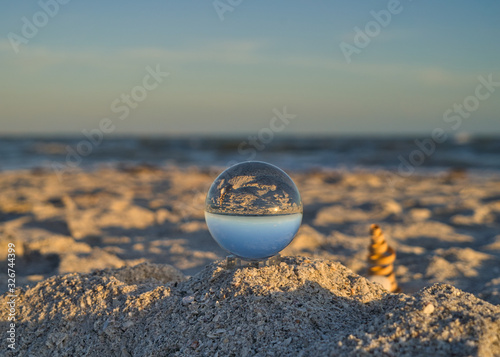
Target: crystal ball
<point>253,210</point>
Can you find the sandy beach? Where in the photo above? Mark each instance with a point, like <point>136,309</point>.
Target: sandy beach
<point>120,261</point>
<point>234,178</point>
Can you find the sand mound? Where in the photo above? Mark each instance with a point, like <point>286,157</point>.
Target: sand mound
<point>302,307</point>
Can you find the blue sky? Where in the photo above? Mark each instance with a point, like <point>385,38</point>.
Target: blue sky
<point>227,76</point>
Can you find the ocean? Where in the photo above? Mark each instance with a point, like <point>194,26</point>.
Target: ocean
<point>406,154</point>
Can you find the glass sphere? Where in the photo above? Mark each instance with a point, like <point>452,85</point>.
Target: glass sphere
<point>253,210</point>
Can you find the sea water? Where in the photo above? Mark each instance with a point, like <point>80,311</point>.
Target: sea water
<point>253,237</point>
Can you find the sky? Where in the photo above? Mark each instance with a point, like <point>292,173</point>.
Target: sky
<point>230,66</point>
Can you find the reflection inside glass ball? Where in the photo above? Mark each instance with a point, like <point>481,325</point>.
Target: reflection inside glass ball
<point>253,210</point>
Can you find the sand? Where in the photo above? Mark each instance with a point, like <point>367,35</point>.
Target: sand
<point>445,229</point>
<point>315,307</point>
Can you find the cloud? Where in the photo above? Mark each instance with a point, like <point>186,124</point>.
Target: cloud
<point>237,53</point>
<point>385,35</point>
<point>437,76</point>
<point>241,52</point>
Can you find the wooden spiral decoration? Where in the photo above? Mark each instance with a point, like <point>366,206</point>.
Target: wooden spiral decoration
<point>381,258</point>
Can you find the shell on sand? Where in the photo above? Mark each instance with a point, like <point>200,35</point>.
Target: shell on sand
<point>381,259</point>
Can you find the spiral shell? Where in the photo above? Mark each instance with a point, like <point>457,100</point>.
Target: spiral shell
<point>381,258</point>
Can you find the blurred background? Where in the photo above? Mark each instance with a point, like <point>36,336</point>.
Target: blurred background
<point>302,84</point>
